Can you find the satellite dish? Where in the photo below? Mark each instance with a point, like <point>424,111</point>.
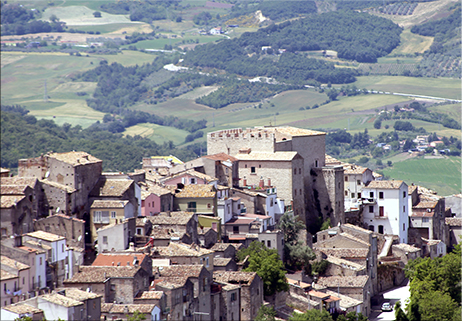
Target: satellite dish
<point>57,210</point>
<point>79,238</point>
<point>47,174</point>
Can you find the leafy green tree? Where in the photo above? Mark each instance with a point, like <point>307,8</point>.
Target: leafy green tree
<point>312,315</point>
<point>332,94</point>
<point>266,313</point>
<point>352,316</point>
<point>97,14</point>
<point>137,316</point>
<point>399,313</point>
<point>378,124</point>
<point>268,266</point>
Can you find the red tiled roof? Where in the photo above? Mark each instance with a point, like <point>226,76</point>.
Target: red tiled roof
<point>108,259</point>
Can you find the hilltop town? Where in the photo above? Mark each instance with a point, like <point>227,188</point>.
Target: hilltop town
<point>163,241</point>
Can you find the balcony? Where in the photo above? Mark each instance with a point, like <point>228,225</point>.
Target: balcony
<point>378,216</point>
<point>369,201</point>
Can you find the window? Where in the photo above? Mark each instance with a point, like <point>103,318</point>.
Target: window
<point>233,296</point>
<point>381,212</point>
<point>206,264</point>
<point>371,194</point>
<point>299,171</point>
<point>138,231</point>
<point>235,229</point>
<point>40,261</point>
<point>404,194</point>
<point>245,165</point>
<point>346,178</point>
<point>192,180</point>
<point>104,239</point>
<point>295,192</point>
<point>425,220</point>
<point>62,247</point>
<point>316,163</point>
<point>300,190</point>
<point>192,207</point>
<point>97,217</point>
<point>359,195</point>
<point>23,280</point>
<point>358,182</point>
<point>381,195</point>
<point>295,171</point>
<point>404,227</point>
<point>113,214</point>
<point>371,209</point>
<point>346,193</point>
<point>253,170</point>
<point>259,166</point>
<point>381,229</point>
<point>404,209</point>
<point>269,244</point>
<point>352,195</point>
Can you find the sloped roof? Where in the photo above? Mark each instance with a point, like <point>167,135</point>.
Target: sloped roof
<point>8,201</point>
<point>63,187</point>
<point>385,184</point>
<point>16,180</point>
<point>78,294</point>
<point>220,247</point>
<point>454,221</point>
<point>5,275</point>
<point>112,187</point>
<point>180,249</point>
<point>13,189</point>
<point>153,295</point>
<point>75,158</point>
<point>181,271</point>
<point>99,274</point>
<point>191,172</point>
<point>113,259</point>
<point>243,278</point>
<point>344,281</point>
<point>60,300</point>
<point>13,263</point>
<point>221,157</point>
<point>197,191</point>
<point>46,236</point>
<point>22,308</point>
<point>171,282</point>
<point>126,308</point>
<point>219,261</point>
<point>108,204</point>
<point>171,218</point>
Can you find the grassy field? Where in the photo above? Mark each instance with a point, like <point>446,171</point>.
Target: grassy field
<point>160,43</point>
<point>24,75</point>
<point>437,87</point>
<point>441,174</point>
<point>411,43</point>
<point>159,134</point>
<point>83,16</point>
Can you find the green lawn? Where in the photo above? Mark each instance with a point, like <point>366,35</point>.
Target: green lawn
<point>411,43</point>
<point>160,43</point>
<point>442,175</point>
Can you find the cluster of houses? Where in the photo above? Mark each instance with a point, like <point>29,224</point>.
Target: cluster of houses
<point>79,243</point>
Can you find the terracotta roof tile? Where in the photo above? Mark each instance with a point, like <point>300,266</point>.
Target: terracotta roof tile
<point>75,158</point>
<point>454,221</point>
<point>197,191</point>
<point>99,274</point>
<point>13,189</point>
<point>16,180</point>
<point>5,275</point>
<point>220,247</point>
<point>8,201</point>
<point>172,282</point>
<point>50,237</point>
<point>346,302</point>
<point>191,172</point>
<point>78,294</point>
<point>66,188</point>
<point>345,253</point>
<point>13,263</point>
<point>180,249</point>
<point>153,295</point>
<point>344,281</point>
<point>221,157</point>
<point>181,271</point>
<point>126,308</point>
<point>406,247</point>
<point>172,218</point>
<point>106,204</point>
<point>113,187</point>
<point>234,277</point>
<point>345,263</point>
<point>60,300</point>
<point>218,261</point>
<point>22,308</point>
<point>110,259</point>
<point>385,184</point>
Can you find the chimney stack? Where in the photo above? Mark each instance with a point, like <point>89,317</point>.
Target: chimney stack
<point>262,182</point>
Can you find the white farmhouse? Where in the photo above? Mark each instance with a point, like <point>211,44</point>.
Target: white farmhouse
<point>386,208</point>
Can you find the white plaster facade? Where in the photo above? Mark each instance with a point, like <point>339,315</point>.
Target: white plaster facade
<point>386,208</point>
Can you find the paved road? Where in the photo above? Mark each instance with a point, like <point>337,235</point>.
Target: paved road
<point>392,296</point>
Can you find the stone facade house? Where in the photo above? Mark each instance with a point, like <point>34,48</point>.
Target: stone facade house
<point>113,311</point>
<point>17,209</point>
<point>455,230</point>
<point>183,254</point>
<point>155,199</point>
<point>73,229</point>
<point>125,259</point>
<point>181,222</point>
<point>208,237</point>
<point>224,264</point>
<point>91,301</point>
<point>224,250</point>
<point>114,283</point>
<point>77,170</point>
<point>180,302</point>
<point>251,295</point>
<point>107,212</point>
<point>15,280</point>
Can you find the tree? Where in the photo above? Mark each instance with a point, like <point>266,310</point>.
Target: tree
<point>268,266</point>
<point>312,315</point>
<point>295,253</point>
<point>137,316</point>
<point>266,313</point>
<point>378,123</point>
<point>97,14</point>
<point>399,313</point>
<point>352,316</point>
<point>332,94</point>
<point>54,18</point>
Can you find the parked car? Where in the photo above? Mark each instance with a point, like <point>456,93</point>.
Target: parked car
<point>387,307</point>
